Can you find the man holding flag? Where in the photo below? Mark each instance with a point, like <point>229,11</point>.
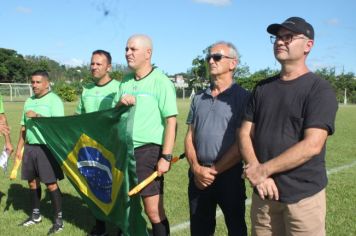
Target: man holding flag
<point>95,151</point>
<point>38,162</point>
<point>99,96</point>
<point>153,97</point>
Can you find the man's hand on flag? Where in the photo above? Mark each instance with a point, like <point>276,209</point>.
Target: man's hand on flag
<point>127,100</point>
<point>31,114</point>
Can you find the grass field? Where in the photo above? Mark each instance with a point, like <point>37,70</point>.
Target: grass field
<point>341,191</point>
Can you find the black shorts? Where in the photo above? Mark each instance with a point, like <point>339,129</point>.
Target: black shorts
<point>147,157</point>
<point>38,162</point>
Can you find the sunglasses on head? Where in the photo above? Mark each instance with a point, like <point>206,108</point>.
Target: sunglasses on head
<point>217,57</point>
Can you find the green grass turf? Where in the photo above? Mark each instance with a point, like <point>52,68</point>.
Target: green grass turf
<point>341,191</point>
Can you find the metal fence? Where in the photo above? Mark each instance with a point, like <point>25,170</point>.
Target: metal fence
<point>184,93</point>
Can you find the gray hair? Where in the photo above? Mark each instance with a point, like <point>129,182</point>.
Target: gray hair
<point>232,49</point>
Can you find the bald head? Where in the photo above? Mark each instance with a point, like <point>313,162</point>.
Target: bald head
<point>142,40</point>
<point>139,52</point>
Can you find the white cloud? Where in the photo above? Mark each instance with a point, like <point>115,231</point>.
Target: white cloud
<point>215,2</point>
<point>73,62</point>
<point>24,10</point>
<point>333,22</point>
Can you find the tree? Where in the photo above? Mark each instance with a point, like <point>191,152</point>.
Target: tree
<point>119,71</point>
<point>12,66</point>
<point>117,75</point>
<point>199,72</point>
<point>242,71</point>
<point>250,82</point>
<point>55,70</point>
<point>348,82</point>
<point>340,83</point>
<point>200,68</point>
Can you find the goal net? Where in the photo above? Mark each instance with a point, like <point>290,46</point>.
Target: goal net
<point>15,92</point>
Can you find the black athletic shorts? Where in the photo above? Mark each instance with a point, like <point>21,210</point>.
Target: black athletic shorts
<point>38,162</point>
<point>147,157</point>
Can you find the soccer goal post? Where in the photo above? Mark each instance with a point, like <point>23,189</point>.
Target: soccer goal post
<point>15,92</point>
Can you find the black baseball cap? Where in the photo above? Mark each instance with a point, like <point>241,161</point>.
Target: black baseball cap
<point>294,24</point>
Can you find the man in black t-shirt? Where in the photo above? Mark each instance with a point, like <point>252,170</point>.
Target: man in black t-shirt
<point>283,136</point>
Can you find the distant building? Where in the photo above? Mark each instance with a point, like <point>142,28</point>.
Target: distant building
<point>179,81</point>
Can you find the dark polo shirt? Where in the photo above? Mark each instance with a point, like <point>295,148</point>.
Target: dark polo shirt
<point>215,121</point>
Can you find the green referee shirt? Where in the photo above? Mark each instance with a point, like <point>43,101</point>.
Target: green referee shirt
<point>97,97</point>
<point>155,101</point>
<point>48,105</point>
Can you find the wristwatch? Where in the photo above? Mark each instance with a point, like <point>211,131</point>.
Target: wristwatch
<point>167,157</point>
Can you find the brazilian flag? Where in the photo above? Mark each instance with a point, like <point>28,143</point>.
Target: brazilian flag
<point>95,151</point>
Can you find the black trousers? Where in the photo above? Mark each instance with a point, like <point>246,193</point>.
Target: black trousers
<point>227,191</point>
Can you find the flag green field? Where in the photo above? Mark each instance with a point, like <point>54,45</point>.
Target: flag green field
<point>95,151</point>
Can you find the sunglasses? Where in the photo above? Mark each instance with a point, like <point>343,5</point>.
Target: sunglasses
<point>217,57</point>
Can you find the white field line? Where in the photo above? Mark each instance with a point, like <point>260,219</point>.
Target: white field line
<point>340,168</point>
<point>185,225</point>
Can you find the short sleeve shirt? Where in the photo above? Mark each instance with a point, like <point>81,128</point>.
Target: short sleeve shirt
<point>47,106</point>
<point>97,97</point>
<point>215,120</point>
<point>281,111</point>
<point>155,101</point>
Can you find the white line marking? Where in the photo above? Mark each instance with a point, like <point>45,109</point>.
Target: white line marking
<point>186,224</point>
<point>340,168</point>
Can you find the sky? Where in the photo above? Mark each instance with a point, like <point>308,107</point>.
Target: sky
<point>68,31</point>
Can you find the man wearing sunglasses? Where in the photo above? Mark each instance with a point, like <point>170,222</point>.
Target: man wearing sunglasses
<point>211,147</point>
<point>283,136</point>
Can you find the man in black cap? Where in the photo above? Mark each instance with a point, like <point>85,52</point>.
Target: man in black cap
<point>283,136</point>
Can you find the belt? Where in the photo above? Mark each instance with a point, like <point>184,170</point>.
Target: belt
<point>205,164</point>
<point>147,146</point>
